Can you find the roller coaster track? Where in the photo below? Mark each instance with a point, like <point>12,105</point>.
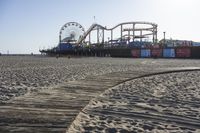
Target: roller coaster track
<point>88,31</point>
<point>93,26</point>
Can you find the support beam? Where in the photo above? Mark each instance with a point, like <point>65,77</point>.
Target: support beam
<point>156,36</point>
<point>89,39</point>
<point>103,36</point>
<point>121,32</point>
<point>60,38</point>
<point>153,39</point>
<point>133,32</point>
<point>98,35</point>
<point>111,36</point>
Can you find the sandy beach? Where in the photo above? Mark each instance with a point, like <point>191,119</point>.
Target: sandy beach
<point>162,103</point>
<point>19,75</point>
<point>157,103</point>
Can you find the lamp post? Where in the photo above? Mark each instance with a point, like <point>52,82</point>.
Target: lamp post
<point>164,37</point>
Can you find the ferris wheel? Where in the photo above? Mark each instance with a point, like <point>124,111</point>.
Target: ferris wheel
<point>71,32</point>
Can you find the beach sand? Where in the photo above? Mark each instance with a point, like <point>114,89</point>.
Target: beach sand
<point>159,103</point>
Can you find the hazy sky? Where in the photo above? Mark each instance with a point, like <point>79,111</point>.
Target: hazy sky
<point>27,25</point>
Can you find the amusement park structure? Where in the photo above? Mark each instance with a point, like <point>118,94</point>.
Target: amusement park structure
<point>129,32</point>
<point>128,39</point>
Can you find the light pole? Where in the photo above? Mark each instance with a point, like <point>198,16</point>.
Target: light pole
<point>164,37</point>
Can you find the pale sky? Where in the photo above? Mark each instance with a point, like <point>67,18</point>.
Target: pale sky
<point>27,25</point>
